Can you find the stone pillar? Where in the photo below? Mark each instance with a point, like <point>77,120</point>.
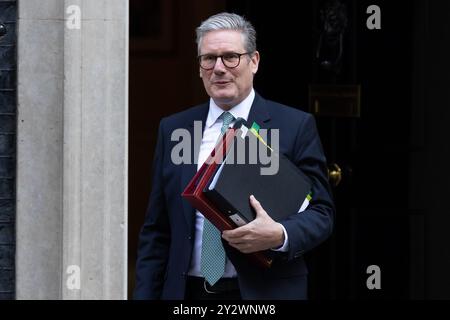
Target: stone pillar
<point>72,149</point>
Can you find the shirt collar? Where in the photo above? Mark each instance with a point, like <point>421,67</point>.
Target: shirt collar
<point>240,110</point>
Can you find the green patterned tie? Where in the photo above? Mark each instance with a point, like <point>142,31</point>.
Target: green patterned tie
<point>213,253</point>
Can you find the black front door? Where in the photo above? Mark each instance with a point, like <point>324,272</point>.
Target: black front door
<point>369,148</point>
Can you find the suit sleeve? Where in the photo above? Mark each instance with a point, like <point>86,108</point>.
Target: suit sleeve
<point>154,238</point>
<point>309,228</point>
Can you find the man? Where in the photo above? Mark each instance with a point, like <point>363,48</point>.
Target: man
<point>181,255</point>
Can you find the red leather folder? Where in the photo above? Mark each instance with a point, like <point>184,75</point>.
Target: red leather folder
<point>193,193</point>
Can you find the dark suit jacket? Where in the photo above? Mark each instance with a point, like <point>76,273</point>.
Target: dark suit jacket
<point>167,236</point>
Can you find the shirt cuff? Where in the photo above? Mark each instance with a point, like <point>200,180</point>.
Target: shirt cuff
<point>285,246</point>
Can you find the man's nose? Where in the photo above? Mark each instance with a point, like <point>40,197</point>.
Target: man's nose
<point>219,67</point>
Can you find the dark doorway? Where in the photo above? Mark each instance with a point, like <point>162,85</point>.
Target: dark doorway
<point>373,219</point>
<point>163,80</point>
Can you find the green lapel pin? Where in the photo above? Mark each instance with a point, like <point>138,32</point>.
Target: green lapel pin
<point>255,128</point>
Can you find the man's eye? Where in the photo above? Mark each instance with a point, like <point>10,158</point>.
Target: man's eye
<point>209,58</point>
<point>230,57</point>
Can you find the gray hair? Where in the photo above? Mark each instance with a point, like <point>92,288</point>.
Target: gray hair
<point>228,21</point>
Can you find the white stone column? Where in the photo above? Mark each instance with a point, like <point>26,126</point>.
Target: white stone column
<point>72,149</point>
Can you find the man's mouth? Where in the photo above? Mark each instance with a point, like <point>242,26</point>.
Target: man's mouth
<point>221,82</point>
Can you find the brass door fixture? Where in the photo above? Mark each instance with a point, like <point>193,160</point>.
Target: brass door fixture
<point>334,174</point>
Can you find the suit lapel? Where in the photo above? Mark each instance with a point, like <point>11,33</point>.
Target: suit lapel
<point>259,113</point>
<point>188,170</point>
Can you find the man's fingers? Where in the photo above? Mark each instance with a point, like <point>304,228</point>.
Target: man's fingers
<point>242,247</point>
<point>237,240</point>
<point>255,203</point>
<point>257,206</point>
<point>235,233</point>
<point>237,243</point>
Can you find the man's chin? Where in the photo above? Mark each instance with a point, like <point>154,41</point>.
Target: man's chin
<point>223,97</point>
<point>222,101</point>
<point>224,93</point>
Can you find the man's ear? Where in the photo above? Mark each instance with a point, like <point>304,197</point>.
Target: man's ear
<point>255,62</point>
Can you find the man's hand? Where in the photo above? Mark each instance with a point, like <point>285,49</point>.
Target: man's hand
<point>261,234</point>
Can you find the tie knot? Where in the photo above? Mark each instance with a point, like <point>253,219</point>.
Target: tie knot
<point>227,119</point>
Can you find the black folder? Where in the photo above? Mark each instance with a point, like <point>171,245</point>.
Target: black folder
<point>281,194</point>
<point>195,195</point>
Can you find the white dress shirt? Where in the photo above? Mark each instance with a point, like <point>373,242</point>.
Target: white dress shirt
<point>211,133</point>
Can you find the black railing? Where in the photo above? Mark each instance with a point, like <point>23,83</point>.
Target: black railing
<point>8,123</point>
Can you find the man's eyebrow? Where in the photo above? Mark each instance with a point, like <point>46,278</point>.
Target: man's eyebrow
<point>214,54</point>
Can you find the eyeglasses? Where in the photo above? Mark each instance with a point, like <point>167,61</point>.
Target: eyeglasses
<point>230,60</point>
